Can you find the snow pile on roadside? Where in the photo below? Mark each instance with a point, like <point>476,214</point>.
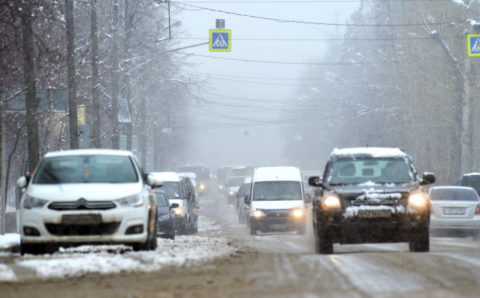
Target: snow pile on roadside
<point>6,273</point>
<point>9,240</point>
<point>184,250</point>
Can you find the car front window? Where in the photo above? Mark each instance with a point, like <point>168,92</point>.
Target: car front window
<point>375,170</point>
<point>277,190</point>
<point>86,169</point>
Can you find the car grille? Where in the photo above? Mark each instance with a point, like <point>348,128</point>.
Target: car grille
<point>282,213</point>
<point>82,204</point>
<point>82,230</point>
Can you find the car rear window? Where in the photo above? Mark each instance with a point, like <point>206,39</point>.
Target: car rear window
<point>161,199</point>
<point>452,194</point>
<point>86,169</point>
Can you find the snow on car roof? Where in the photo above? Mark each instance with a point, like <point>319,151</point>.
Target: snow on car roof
<point>371,151</point>
<point>88,152</point>
<point>472,174</point>
<point>451,187</point>
<point>277,174</point>
<point>166,176</point>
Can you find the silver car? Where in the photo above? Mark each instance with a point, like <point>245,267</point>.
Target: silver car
<point>455,211</point>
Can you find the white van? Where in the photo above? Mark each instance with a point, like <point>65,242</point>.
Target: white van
<point>276,200</point>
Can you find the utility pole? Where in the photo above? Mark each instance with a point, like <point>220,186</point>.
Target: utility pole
<point>72,86</point>
<point>115,79</point>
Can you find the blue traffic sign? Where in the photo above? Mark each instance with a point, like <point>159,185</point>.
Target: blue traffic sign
<point>220,40</point>
<point>473,45</point>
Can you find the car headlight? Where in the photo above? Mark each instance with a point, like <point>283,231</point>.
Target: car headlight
<point>231,193</point>
<point>418,201</point>
<point>220,187</point>
<point>297,213</point>
<point>178,211</point>
<point>131,201</point>
<point>164,217</point>
<point>258,213</point>
<point>32,202</point>
<point>202,186</point>
<point>331,202</point>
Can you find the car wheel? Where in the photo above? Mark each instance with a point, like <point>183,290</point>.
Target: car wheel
<point>253,229</point>
<point>323,242</point>
<point>34,249</point>
<point>420,241</point>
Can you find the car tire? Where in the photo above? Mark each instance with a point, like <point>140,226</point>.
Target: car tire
<point>151,242</point>
<point>420,241</point>
<point>323,242</point>
<point>253,229</point>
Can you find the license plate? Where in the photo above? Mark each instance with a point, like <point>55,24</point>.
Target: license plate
<point>81,219</point>
<point>453,211</point>
<point>278,226</point>
<point>374,213</point>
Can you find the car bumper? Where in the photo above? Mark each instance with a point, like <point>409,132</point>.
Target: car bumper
<point>437,224</point>
<point>165,227</point>
<point>271,224</point>
<point>118,225</point>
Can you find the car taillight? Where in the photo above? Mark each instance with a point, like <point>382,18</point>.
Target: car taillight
<point>477,211</point>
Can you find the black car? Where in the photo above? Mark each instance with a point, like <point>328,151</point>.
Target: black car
<point>165,217</point>
<point>371,195</point>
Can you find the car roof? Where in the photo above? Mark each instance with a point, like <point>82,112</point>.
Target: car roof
<point>369,151</point>
<point>452,187</point>
<point>76,152</point>
<point>166,176</point>
<point>277,174</point>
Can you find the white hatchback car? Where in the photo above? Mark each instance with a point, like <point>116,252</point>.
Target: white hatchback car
<point>87,196</point>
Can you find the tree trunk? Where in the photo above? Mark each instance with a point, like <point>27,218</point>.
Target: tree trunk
<point>31,102</point>
<point>72,91</point>
<point>95,138</point>
<point>128,94</point>
<point>3,186</point>
<point>115,79</point>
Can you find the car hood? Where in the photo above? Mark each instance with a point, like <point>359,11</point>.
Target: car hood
<point>163,211</point>
<point>88,191</point>
<point>275,205</point>
<point>373,193</point>
<point>180,202</point>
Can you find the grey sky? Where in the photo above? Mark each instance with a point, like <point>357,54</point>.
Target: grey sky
<point>252,135</point>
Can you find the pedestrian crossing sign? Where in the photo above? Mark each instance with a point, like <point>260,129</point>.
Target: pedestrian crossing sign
<point>220,40</point>
<point>473,45</point>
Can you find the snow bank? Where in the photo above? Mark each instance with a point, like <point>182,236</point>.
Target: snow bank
<point>184,250</point>
<point>9,240</point>
<point>6,273</point>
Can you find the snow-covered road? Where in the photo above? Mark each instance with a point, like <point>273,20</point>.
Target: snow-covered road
<point>223,260</point>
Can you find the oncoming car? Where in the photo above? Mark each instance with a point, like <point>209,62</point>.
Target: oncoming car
<point>371,195</point>
<point>455,211</point>
<point>87,196</point>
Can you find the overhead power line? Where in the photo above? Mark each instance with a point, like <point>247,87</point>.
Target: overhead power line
<point>280,20</point>
<point>321,39</point>
<point>295,63</point>
<point>301,1</point>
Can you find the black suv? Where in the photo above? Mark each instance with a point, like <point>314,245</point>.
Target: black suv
<point>371,195</point>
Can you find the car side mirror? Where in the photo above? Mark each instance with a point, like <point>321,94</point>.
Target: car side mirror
<point>153,181</point>
<point>427,178</point>
<point>246,199</point>
<point>315,181</point>
<point>174,205</point>
<point>22,182</point>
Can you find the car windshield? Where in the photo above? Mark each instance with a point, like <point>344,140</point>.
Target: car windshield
<point>235,181</point>
<point>172,189</point>
<point>161,199</point>
<point>376,170</point>
<point>453,194</point>
<point>277,190</point>
<point>86,169</point>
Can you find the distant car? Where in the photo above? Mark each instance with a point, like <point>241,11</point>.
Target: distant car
<point>455,211</point>
<point>87,196</point>
<point>371,195</point>
<point>165,216</point>
<point>202,179</point>
<point>470,179</point>
<point>177,192</point>
<point>233,185</point>
<point>243,209</point>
